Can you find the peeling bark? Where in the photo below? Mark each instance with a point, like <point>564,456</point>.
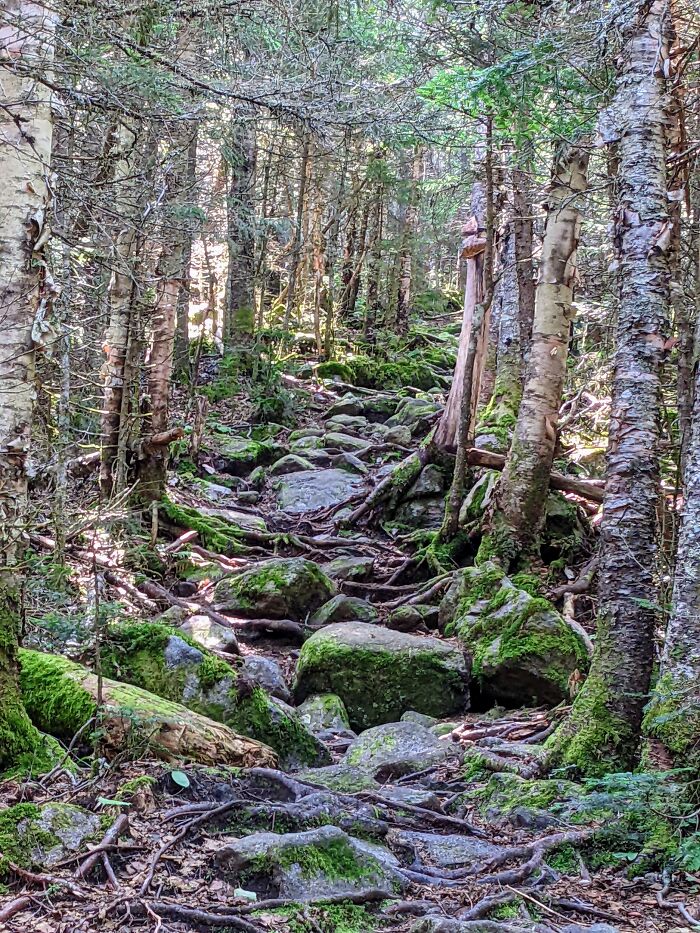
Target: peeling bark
<point>602,732</point>
<point>521,494</point>
<point>26,49</point>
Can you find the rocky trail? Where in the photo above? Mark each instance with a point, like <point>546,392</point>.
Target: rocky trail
<point>303,726</point>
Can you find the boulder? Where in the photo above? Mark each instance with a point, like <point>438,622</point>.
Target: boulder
<point>451,851</point>
<point>523,651</point>
<point>38,836</point>
<point>318,863</point>
<point>182,672</point>
<point>306,442</point>
<point>349,462</point>
<point>396,748</point>
<point>349,568</point>
<point>349,404</point>
<point>283,588</point>
<point>409,618</point>
<point>213,491</point>
<point>237,456</point>
<point>425,513</point>
<point>430,482</point>
<point>420,719</point>
<point>209,634</point>
<point>379,674</point>
<point>290,464</point>
<point>61,697</point>
<point>344,609</point>
<point>310,490</point>
<point>324,713</point>
<point>348,779</point>
<point>415,413</point>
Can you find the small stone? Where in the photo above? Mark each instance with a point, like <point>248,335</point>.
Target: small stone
<point>268,674</point>
<point>400,434</point>
<point>213,491</point>
<point>349,462</point>
<point>409,618</point>
<point>249,497</point>
<point>349,404</point>
<point>344,609</point>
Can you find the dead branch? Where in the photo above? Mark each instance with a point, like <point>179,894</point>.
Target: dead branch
<point>108,840</point>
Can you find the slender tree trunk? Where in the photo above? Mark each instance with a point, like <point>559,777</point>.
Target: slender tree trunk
<point>240,299</point>
<point>182,333</point>
<point>523,234</point>
<point>298,244</point>
<point>374,268</point>
<point>521,494</point>
<point>349,247</point>
<point>602,731</point>
<point>410,229</point>
<point>360,254</point>
<point>26,47</point>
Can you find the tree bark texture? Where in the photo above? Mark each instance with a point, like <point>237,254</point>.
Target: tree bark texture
<point>26,48</point>
<point>240,205</point>
<point>521,495</point>
<point>524,246</point>
<point>602,732</point>
<point>410,227</point>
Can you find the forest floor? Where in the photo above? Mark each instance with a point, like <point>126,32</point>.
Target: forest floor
<point>449,857</point>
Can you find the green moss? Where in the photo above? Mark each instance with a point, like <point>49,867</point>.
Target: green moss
<point>17,847</point>
<point>134,785</point>
<point>334,368</point>
<point>288,736</point>
<point>506,911</point>
<point>672,717</point>
<point>421,680</point>
<point>55,702</point>
<point>565,861</point>
<point>335,861</point>
<point>216,534</point>
<point>330,918</point>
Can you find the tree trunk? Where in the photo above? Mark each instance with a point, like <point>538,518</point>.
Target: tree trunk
<point>298,237</point>
<point>182,333</point>
<point>521,495</point>
<point>373,268</point>
<point>27,39</point>
<point>240,207</point>
<point>410,229</point>
<point>602,732</point>
<point>523,233</point>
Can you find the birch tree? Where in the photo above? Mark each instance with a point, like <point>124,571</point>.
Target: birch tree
<point>26,48</point>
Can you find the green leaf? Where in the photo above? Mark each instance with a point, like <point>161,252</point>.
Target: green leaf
<point>180,778</point>
<point>106,802</point>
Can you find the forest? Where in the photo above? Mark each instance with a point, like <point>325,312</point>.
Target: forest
<point>350,466</point>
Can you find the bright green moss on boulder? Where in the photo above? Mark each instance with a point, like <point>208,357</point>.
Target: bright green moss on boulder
<point>178,669</point>
<point>522,650</point>
<point>34,836</point>
<point>290,588</point>
<point>379,674</point>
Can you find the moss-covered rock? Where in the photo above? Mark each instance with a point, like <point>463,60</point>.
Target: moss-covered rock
<point>395,749</point>
<point>237,456</point>
<point>276,589</point>
<point>379,674</point>
<point>34,836</point>
<point>314,864</point>
<point>324,712</point>
<point>344,609</point>
<point>351,567</point>
<point>416,413</point>
<point>292,463</point>
<point>177,669</point>
<point>522,650</point>
<point>61,697</point>
<point>334,370</point>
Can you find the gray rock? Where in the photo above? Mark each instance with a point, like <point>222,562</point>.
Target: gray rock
<point>317,863</point>
<point>400,434</point>
<point>395,749</point>
<point>178,653</point>
<point>284,588</point>
<point>290,464</point>
<point>319,458</point>
<point>347,423</point>
<point>323,713</point>
<point>268,674</point>
<point>338,441</point>
<point>431,482</point>
<point>416,414</point>
<point>249,497</point>
<point>213,491</point>
<point>451,851</point>
<point>409,618</point>
<point>209,634</point>
<point>305,432</point>
<point>349,568</point>
<point>419,719</point>
<point>241,519</point>
<point>239,455</point>
<point>257,477</point>
<point>308,442</point>
<point>344,609</point>
<point>421,513</point>
<point>347,779</point>
<point>379,674</point>
<point>62,828</point>
<point>349,404</point>
<point>349,462</point>
<point>310,490</point>
<point>491,442</point>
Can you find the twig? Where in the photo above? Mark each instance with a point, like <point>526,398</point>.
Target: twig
<point>109,839</point>
<point>47,880</point>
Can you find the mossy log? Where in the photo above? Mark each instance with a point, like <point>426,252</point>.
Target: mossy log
<point>61,697</point>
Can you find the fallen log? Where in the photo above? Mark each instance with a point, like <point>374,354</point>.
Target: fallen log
<point>586,488</point>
